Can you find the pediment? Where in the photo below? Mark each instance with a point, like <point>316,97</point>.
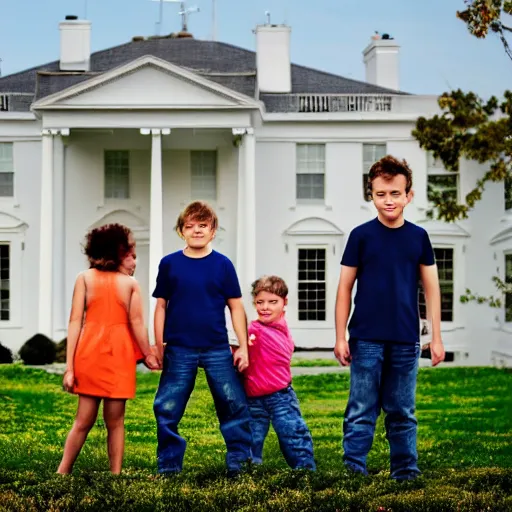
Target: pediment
<point>504,233</point>
<point>11,223</point>
<point>130,220</point>
<point>313,226</point>
<point>441,228</point>
<point>147,82</point>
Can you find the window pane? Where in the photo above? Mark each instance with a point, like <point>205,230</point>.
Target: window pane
<point>5,283</point>
<point>203,174</point>
<point>371,154</point>
<point>508,193</point>
<point>117,174</point>
<point>508,280</point>
<point>311,284</point>
<point>445,184</point>
<point>6,184</point>
<point>310,186</point>
<point>444,261</point>
<point>311,158</point>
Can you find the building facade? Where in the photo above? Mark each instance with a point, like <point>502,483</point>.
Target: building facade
<point>133,133</point>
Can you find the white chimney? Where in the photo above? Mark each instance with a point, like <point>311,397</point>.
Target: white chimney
<point>381,61</point>
<point>273,66</point>
<point>75,44</point>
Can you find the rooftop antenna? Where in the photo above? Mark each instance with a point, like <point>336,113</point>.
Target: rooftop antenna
<point>267,14</point>
<point>184,13</point>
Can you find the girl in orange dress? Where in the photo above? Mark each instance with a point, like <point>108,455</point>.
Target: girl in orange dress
<point>106,338</point>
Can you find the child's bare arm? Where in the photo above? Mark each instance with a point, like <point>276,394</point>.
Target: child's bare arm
<point>76,318</point>
<point>158,325</point>
<point>239,320</point>
<point>342,312</point>
<point>139,330</point>
<point>430,279</point>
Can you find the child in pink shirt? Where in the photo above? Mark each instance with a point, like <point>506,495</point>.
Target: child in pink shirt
<point>268,379</point>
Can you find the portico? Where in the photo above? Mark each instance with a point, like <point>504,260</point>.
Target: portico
<point>147,106</point>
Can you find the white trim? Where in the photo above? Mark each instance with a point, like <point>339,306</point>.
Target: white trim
<point>505,233</point>
<point>438,228</point>
<point>384,117</point>
<point>17,116</point>
<point>52,101</point>
<point>299,228</point>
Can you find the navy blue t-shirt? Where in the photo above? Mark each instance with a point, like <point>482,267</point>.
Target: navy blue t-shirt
<point>196,291</point>
<point>388,271</point>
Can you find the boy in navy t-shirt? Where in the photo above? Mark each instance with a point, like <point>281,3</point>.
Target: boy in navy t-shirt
<point>193,287</point>
<point>387,256</point>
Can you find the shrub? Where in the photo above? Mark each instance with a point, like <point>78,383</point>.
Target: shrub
<point>5,355</point>
<point>38,350</point>
<point>61,350</point>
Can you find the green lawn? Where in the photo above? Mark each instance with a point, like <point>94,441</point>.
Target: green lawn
<point>465,439</point>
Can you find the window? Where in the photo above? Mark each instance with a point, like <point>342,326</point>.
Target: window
<point>4,103</point>
<point>312,284</point>
<point>508,280</point>
<point>203,172</point>
<point>117,174</point>
<point>6,170</point>
<point>440,180</point>
<point>310,172</point>
<point>444,260</point>
<point>5,273</point>
<point>371,154</point>
<point>508,192</point>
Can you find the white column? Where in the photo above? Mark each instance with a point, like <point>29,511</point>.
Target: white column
<point>45,317</point>
<point>59,219</point>
<point>156,243</point>
<point>249,216</point>
<point>240,208</point>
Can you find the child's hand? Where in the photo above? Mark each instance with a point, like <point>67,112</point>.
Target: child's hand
<point>241,359</point>
<point>152,362</point>
<point>68,381</point>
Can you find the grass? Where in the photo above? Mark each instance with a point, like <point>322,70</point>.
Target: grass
<point>464,443</point>
<point>308,363</point>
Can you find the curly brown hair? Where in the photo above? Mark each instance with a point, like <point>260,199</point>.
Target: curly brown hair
<point>270,284</point>
<point>107,246</point>
<point>198,211</point>
<point>388,167</point>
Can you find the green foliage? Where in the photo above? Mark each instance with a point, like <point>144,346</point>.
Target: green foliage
<point>464,447</point>
<point>38,350</point>
<point>482,16</point>
<point>5,355</point>
<point>470,128</point>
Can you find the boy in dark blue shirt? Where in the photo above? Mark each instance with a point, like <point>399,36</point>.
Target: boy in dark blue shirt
<point>387,256</point>
<point>193,287</point>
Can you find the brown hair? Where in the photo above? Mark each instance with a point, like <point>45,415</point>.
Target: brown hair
<point>198,211</point>
<point>388,167</point>
<point>107,246</point>
<point>270,284</point>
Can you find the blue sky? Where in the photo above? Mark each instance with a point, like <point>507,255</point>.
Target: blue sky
<point>437,52</point>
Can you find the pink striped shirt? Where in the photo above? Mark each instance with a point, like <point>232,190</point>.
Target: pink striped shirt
<point>270,355</point>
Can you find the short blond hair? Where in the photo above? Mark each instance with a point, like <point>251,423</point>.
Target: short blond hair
<point>198,211</point>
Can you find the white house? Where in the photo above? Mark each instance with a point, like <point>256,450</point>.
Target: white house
<point>135,132</point>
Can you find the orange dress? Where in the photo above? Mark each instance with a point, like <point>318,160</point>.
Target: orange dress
<point>106,354</point>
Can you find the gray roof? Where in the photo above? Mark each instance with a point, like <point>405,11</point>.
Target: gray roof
<point>210,59</point>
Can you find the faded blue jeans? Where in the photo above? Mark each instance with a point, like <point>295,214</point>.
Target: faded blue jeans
<point>382,376</point>
<point>176,385</point>
<point>283,411</point>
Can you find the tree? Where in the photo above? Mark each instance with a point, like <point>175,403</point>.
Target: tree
<point>481,16</point>
<point>472,128</point>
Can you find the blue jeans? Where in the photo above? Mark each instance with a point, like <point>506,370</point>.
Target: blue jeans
<point>176,385</point>
<point>382,375</point>
<point>282,409</point>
